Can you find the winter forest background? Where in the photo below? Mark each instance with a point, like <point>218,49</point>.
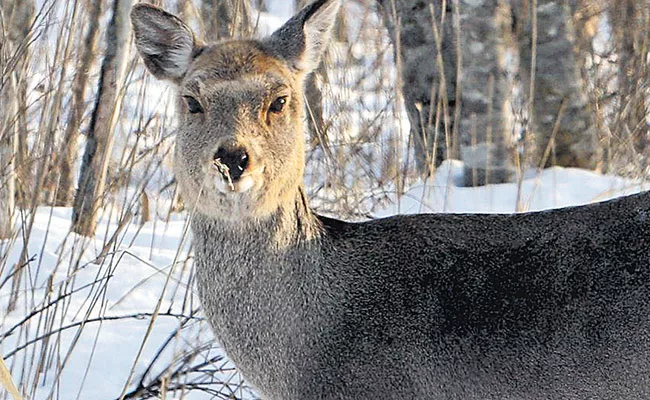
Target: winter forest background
<point>419,106</point>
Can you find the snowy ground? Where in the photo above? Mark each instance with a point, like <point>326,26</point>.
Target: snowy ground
<point>116,293</point>
<point>128,281</point>
<point>551,188</point>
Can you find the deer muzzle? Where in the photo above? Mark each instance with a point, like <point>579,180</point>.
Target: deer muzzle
<point>235,168</point>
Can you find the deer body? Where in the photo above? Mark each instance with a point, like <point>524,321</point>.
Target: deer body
<point>470,307</point>
<point>551,305</point>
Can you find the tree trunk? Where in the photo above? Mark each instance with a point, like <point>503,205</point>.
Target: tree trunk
<point>68,153</point>
<point>22,21</point>
<point>558,84</point>
<point>630,35</point>
<point>15,23</point>
<point>99,144</point>
<point>224,19</point>
<point>46,178</point>
<point>485,35</point>
<point>427,67</point>
<point>7,160</point>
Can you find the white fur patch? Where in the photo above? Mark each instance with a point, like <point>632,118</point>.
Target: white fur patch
<point>245,183</point>
<point>180,55</point>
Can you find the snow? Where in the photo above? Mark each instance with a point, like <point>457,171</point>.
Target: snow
<point>551,188</point>
<point>126,283</point>
<point>131,277</point>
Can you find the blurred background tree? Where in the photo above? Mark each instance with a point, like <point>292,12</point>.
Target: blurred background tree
<point>630,22</point>
<point>459,60</point>
<point>85,57</point>
<point>552,38</point>
<point>16,19</point>
<point>101,133</point>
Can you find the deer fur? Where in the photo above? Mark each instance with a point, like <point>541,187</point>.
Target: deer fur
<point>548,305</point>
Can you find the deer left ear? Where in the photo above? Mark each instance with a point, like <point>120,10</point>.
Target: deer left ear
<point>165,43</point>
<point>302,40</point>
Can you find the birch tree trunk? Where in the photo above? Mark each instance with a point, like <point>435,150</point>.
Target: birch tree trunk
<point>15,22</point>
<point>558,84</point>
<point>99,144</point>
<point>455,87</point>
<point>486,123</point>
<point>68,153</point>
<point>427,67</point>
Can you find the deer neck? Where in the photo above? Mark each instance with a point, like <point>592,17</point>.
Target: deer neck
<point>252,275</point>
<point>291,227</point>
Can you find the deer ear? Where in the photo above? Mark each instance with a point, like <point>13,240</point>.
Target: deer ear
<point>164,42</point>
<point>302,40</point>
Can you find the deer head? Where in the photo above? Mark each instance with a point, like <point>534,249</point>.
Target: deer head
<point>240,139</point>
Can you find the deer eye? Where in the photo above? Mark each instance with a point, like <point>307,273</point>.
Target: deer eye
<point>278,104</point>
<point>193,106</point>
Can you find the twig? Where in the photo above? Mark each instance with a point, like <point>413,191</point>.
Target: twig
<point>92,320</point>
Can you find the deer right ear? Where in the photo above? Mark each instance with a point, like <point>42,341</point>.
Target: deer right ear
<point>164,42</point>
<point>302,40</point>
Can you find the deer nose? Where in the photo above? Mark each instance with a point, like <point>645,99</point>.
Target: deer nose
<point>231,160</point>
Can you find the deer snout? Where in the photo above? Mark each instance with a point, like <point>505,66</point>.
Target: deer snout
<point>231,159</point>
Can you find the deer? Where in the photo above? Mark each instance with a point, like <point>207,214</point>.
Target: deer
<point>543,305</point>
